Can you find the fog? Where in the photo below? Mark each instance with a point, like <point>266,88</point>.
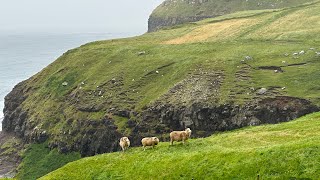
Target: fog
<point>75,16</point>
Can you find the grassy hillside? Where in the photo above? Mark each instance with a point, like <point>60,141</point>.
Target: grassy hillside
<point>85,100</point>
<point>284,151</point>
<point>171,13</point>
<point>188,8</point>
<point>93,94</point>
<point>219,44</point>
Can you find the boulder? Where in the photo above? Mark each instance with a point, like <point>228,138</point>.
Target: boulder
<point>262,91</point>
<point>141,53</point>
<point>248,58</point>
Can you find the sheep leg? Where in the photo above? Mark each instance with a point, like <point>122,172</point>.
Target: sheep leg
<point>171,141</point>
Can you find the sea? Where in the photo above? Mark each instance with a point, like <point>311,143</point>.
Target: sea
<point>24,54</point>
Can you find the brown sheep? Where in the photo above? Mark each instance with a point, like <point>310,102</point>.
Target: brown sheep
<point>149,141</point>
<point>124,143</point>
<point>180,136</point>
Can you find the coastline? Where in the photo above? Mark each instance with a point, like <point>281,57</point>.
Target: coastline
<point>24,54</point>
<point>1,119</point>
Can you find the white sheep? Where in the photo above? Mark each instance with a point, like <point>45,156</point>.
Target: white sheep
<point>149,141</point>
<point>124,143</point>
<point>180,136</point>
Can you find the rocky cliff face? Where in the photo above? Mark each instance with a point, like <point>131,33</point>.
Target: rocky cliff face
<point>98,136</point>
<point>15,118</point>
<point>157,23</point>
<point>193,103</point>
<point>206,119</point>
<point>190,103</point>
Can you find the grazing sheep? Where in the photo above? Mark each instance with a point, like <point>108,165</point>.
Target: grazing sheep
<point>149,141</point>
<point>180,136</point>
<point>124,143</point>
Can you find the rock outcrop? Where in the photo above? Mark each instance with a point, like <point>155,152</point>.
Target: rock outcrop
<point>190,103</point>
<point>15,118</point>
<point>193,102</point>
<point>98,136</point>
<point>157,23</point>
<point>10,147</point>
<point>204,116</point>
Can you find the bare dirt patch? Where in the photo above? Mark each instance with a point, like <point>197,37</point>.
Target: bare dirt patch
<point>215,31</point>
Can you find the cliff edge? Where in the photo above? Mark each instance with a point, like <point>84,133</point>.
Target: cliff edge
<point>175,12</point>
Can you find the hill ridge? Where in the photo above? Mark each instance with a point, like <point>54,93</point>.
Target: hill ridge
<point>171,13</point>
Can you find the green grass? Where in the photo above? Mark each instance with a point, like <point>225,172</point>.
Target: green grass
<point>283,151</point>
<point>175,53</point>
<point>185,11</point>
<point>219,7</point>
<point>274,152</point>
<point>39,160</point>
<point>121,123</point>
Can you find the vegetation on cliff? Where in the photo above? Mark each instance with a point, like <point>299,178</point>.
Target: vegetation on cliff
<point>174,12</point>
<point>284,151</point>
<point>242,69</point>
<point>39,160</point>
<point>209,76</point>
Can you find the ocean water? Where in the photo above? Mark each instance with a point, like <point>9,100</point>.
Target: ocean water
<point>23,55</point>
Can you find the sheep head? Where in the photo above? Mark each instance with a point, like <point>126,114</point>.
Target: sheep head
<point>155,140</point>
<point>125,139</point>
<point>188,131</point>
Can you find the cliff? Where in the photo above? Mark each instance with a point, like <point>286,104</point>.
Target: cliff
<point>174,12</point>
<point>243,69</point>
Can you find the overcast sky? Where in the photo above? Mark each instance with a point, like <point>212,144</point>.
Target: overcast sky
<point>76,16</point>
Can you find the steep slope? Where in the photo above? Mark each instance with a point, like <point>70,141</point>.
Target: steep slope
<point>283,151</point>
<point>9,154</point>
<point>238,70</point>
<point>39,160</point>
<point>174,12</point>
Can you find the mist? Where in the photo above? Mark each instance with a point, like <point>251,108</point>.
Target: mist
<point>75,16</point>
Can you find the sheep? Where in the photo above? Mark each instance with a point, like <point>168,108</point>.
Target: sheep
<point>180,136</point>
<point>149,141</point>
<point>124,143</point>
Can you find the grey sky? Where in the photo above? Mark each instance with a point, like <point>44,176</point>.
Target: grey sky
<point>75,15</point>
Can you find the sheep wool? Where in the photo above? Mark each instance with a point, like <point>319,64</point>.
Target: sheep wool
<point>124,143</point>
<point>180,136</point>
<point>149,141</point>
